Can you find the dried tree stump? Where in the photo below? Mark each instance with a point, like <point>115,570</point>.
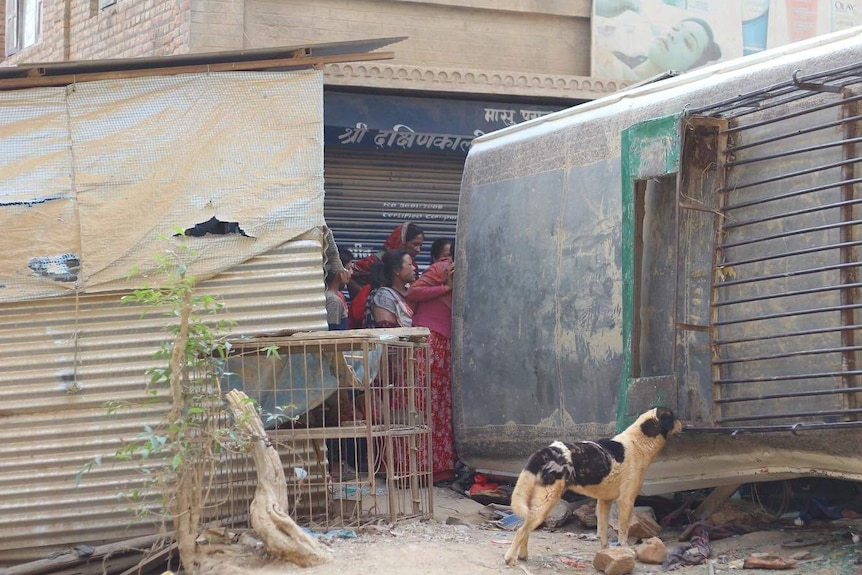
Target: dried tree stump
<point>282,537</point>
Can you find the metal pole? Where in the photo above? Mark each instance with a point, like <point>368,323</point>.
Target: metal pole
<point>412,430</point>
<point>849,275</point>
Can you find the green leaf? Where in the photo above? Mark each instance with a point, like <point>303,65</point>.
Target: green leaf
<point>272,351</point>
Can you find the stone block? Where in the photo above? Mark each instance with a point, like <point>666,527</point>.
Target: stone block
<point>615,561</point>
<point>652,551</point>
<point>642,524</point>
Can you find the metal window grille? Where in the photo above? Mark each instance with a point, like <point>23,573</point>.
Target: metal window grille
<point>786,298</point>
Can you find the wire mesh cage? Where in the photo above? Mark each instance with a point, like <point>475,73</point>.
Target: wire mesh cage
<point>349,414</point>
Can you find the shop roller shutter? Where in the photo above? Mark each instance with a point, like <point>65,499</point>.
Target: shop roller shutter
<point>369,193</point>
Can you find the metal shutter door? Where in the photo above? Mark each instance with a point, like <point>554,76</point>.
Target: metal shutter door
<point>369,193</point>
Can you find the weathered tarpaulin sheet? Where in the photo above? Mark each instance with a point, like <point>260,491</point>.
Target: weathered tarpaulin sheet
<point>95,175</point>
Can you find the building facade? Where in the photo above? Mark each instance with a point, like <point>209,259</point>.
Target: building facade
<point>396,131</point>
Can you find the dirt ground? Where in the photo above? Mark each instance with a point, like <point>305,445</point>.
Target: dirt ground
<point>437,548</point>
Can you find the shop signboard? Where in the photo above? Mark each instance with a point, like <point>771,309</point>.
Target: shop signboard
<point>423,125</point>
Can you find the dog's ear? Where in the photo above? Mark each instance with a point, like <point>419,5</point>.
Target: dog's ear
<point>661,423</point>
<point>651,427</point>
<point>666,418</point>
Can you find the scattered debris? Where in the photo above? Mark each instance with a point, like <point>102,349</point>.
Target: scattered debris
<point>584,536</point>
<point>642,524</point>
<point>81,554</point>
<point>250,541</point>
<point>332,534</point>
<point>432,531</point>
<point>216,536</point>
<point>508,521</point>
<point>817,509</point>
<point>586,515</point>
<point>800,542</point>
<point>652,551</point>
<point>767,561</point>
<point>379,528</point>
<point>482,483</point>
<point>463,479</point>
<point>740,513</point>
<point>714,531</point>
<point>83,550</point>
<point>803,557</point>
<point>559,515</point>
<point>615,561</point>
<point>486,492</point>
<point>695,553</point>
<point>504,542</point>
<point>451,520</point>
<point>576,563</point>
<point>491,510</point>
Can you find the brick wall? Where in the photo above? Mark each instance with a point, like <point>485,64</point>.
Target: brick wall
<point>127,29</point>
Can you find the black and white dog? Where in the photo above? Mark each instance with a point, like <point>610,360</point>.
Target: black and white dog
<point>605,469</point>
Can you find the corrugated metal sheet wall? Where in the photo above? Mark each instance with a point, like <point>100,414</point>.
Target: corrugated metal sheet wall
<point>48,433</point>
<point>369,193</point>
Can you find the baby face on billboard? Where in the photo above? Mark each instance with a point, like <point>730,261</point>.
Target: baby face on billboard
<point>681,48</point>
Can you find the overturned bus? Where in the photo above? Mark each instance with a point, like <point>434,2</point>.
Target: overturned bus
<point>694,243</point>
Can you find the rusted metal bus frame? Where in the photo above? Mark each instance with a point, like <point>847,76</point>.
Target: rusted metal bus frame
<point>723,281</point>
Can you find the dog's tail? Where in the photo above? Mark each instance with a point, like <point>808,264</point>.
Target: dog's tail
<point>522,496</point>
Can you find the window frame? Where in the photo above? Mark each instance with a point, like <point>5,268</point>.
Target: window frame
<point>17,25</point>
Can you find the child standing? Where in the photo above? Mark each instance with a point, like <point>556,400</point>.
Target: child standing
<point>336,304</point>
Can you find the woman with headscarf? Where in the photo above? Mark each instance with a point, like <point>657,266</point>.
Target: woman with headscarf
<point>409,237</point>
<point>431,298</point>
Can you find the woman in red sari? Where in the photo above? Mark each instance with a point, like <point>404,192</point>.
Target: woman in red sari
<point>409,237</point>
<point>431,298</point>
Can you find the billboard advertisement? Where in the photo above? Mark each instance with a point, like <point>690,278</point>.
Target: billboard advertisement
<point>638,39</point>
